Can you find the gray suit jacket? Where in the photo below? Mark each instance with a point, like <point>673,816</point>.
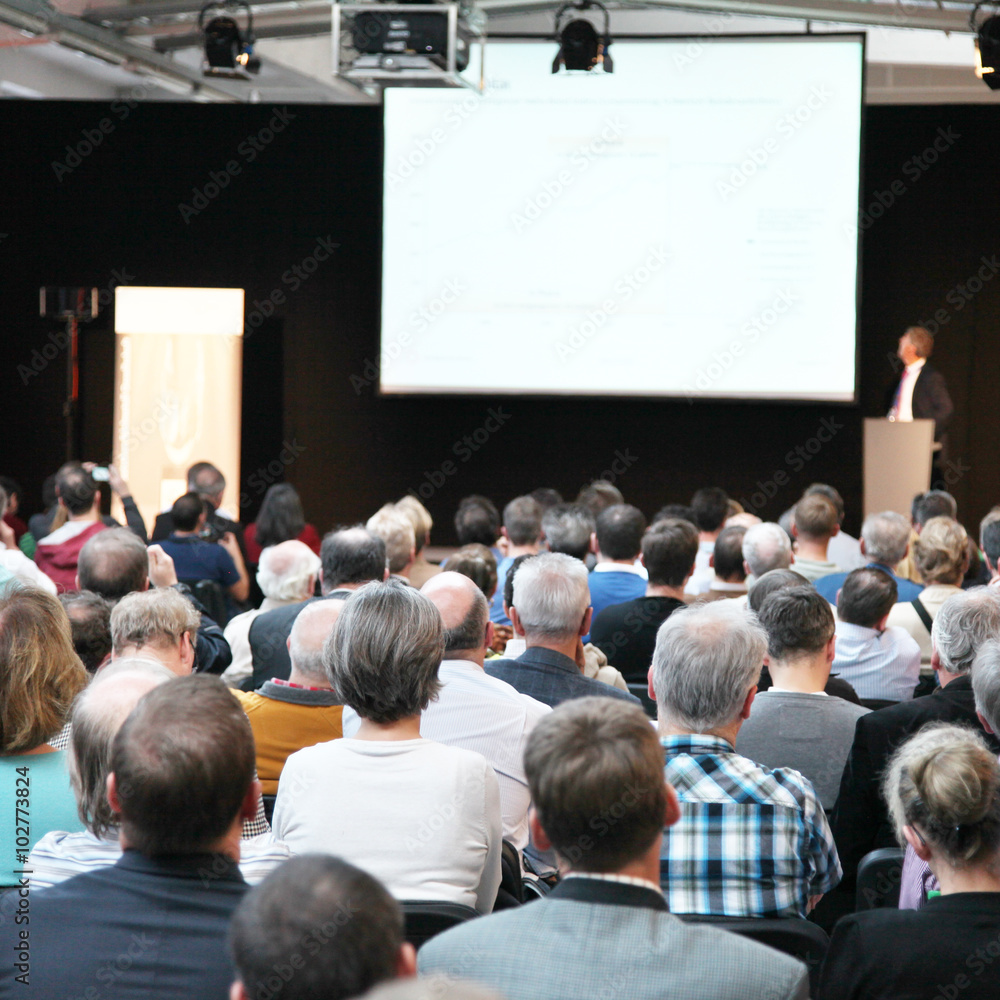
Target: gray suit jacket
<point>605,940</point>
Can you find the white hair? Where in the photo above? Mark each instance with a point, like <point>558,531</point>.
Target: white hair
<point>886,536</point>
<point>765,547</point>
<point>284,571</point>
<point>963,624</point>
<point>551,595</point>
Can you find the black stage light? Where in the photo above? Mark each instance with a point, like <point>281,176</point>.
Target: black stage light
<point>228,51</point>
<point>580,46</point>
<point>988,52</point>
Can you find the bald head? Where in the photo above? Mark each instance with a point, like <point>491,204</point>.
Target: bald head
<point>287,572</point>
<point>310,631</point>
<point>464,613</point>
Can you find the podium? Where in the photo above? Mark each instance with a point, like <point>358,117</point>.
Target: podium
<point>897,463</point>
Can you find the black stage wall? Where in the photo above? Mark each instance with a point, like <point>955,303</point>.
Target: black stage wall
<point>311,411</point>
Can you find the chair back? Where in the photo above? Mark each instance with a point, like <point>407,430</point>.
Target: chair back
<point>879,875</point>
<point>213,597</point>
<point>425,919</point>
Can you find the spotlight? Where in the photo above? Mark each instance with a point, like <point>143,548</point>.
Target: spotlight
<point>228,51</point>
<point>580,46</point>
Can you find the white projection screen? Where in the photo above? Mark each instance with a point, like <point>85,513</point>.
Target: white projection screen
<point>684,227</point>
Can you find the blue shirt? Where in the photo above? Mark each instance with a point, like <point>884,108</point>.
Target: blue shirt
<point>496,605</point>
<point>830,584</point>
<point>614,587</point>
<point>196,559</point>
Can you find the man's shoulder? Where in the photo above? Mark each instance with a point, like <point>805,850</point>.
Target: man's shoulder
<point>278,617</point>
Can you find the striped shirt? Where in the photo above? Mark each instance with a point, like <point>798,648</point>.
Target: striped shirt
<point>751,842</point>
<point>880,666</point>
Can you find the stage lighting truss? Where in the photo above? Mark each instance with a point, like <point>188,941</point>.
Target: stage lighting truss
<point>376,45</point>
<point>228,50</point>
<point>580,46</point>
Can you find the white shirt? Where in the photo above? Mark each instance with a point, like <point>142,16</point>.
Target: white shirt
<point>845,551</point>
<point>904,407</point>
<point>485,714</point>
<point>703,575</point>
<point>614,567</point>
<point>423,818</point>
<point>237,634</point>
<point>880,666</point>
<point>17,563</point>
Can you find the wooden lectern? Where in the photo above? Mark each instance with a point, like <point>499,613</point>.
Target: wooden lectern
<point>897,463</point>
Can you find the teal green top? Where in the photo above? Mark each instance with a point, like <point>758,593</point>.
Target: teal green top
<point>43,780</point>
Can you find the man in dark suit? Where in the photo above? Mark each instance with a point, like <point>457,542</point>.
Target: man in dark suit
<point>552,612</point>
<point>860,821</point>
<point>153,924</point>
<point>209,483</point>
<point>595,770</point>
<point>349,558</point>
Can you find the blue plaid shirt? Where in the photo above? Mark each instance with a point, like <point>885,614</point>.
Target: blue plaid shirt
<point>751,842</point>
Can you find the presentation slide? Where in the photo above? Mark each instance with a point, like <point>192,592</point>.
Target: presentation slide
<point>685,226</point>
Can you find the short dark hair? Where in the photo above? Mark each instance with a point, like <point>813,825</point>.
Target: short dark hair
<point>477,520</point>
<point>508,583</point>
<point>728,553</point>
<point>76,488</point>
<point>205,479</point>
<point>598,495</point>
<point>669,549</point>
<point>478,563</point>
<point>933,503</point>
<point>546,497</point>
<point>383,655</point>
<point>335,927</point>
<point>280,518</point>
<point>671,511</point>
<point>11,487</point>
<point>773,580</point>
<point>522,518</point>
<point>90,625</point>
<point>351,555</point>
<point>113,563</point>
<point>711,508</point>
<point>866,597</point>
<point>797,620</point>
<point>186,511</point>
<point>619,531</point>
<point>595,771</point>
<point>568,527</point>
<point>183,762</point>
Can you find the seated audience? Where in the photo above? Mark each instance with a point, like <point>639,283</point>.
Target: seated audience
<point>943,791</point>
<point>710,507</point>
<point>814,523</point>
<point>333,927</point>
<point>13,492</point>
<point>885,540</point>
<point>422,817</point>
<point>40,675</point>
<point>881,663</point>
<point>965,621</point>
<point>14,561</point>
<point>98,714</point>
<point>989,540</point>
<point>843,549</point>
<point>569,528</point>
<point>286,574</point>
<point>551,612</point>
<point>419,516</point>
<point>599,495</point>
<point>477,522</point>
<point>478,563</point>
<point>349,558</point>
<point>617,575</point>
<point>195,559</point>
<point>287,715</point>
<point>180,784</point>
<point>941,558</point>
<point>159,625</point>
<point>730,575</point>
<point>606,922</point>
<point>396,530</point>
<point>90,625</point>
<point>750,841</point>
<point>209,483</point>
<point>280,519</point>
<point>626,633</point>
<point>795,723</point>
<point>522,531</point>
<point>766,547</point>
<point>933,503</point>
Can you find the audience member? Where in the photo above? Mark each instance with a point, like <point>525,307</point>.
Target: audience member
<point>477,563</point>
<point>989,540</point>
<point>421,816</point>
<point>209,483</point>
<point>396,530</point>
<point>626,633</point>
<point>881,663</point>
<point>766,547</point>
<point>98,714</point>
<point>599,495</point>
<point>795,723</point>
<point>317,927</point>
<point>286,574</point>
<point>40,524</point>
<point>280,519</point>
<point>154,923</point>
<point>158,625</point>
<point>885,540</point>
<point>730,575</point>
<point>814,523</point>
<point>551,611</point>
<point>349,558</point>
<point>12,490</point>
<point>477,521</point>
<point>40,675</point>
<point>90,626</point>
<point>671,511</point>
<point>711,508</point>
<point>750,841</point>
<point>843,549</point>
<point>943,790</point>
<point>618,576</point>
<point>431,988</point>
<point>522,530</point>
<point>596,777</point>
<point>569,528</point>
<point>965,621</point>
<point>924,506</point>
<point>546,497</point>
<point>941,558</point>
<point>419,516</point>
<point>13,560</point>
<point>287,715</point>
